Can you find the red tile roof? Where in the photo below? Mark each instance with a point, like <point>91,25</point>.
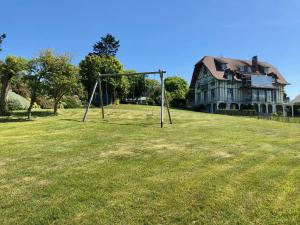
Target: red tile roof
<point>232,64</point>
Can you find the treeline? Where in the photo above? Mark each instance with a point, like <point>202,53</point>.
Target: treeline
<point>52,81</point>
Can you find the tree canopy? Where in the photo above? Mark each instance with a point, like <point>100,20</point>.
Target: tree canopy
<point>92,65</point>
<point>38,68</point>
<point>177,87</point>
<point>11,68</point>
<point>61,77</point>
<point>107,46</point>
<point>2,37</point>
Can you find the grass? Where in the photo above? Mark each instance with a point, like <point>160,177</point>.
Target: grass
<point>204,169</point>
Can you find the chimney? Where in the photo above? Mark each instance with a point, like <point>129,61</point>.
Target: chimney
<point>254,64</point>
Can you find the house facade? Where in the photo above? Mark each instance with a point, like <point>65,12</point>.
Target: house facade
<point>224,83</point>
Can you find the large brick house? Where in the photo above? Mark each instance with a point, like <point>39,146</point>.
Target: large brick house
<point>224,83</point>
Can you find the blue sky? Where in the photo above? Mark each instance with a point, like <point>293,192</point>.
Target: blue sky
<point>171,35</point>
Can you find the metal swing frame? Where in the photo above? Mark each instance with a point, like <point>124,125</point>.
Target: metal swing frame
<point>162,86</point>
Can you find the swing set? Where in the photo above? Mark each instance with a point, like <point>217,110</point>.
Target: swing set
<point>162,96</point>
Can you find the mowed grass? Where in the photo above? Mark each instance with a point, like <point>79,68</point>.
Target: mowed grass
<point>203,169</point>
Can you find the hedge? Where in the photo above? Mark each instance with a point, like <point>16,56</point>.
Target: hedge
<point>236,112</point>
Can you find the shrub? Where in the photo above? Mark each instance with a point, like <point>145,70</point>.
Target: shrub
<point>70,102</point>
<point>178,102</point>
<point>200,108</point>
<point>236,112</point>
<point>16,102</point>
<point>45,102</point>
<point>151,101</point>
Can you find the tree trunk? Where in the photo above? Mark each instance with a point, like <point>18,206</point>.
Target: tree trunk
<point>55,107</point>
<point>5,85</point>
<point>31,106</point>
<point>33,99</point>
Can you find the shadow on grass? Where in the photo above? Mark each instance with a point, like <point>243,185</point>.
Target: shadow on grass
<point>141,124</point>
<point>34,113</point>
<point>113,123</point>
<point>21,116</point>
<point>13,120</point>
<point>72,120</point>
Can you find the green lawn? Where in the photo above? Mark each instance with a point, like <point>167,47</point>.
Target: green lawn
<point>203,169</point>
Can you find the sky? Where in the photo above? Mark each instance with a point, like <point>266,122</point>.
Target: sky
<point>172,35</point>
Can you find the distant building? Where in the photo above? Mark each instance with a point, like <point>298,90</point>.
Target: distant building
<point>224,83</point>
<point>296,101</point>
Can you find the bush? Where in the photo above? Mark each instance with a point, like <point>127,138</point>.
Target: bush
<point>178,102</point>
<point>16,102</point>
<point>236,112</point>
<point>151,101</point>
<point>45,102</point>
<point>70,102</point>
<point>200,108</point>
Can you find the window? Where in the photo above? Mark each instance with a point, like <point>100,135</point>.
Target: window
<point>229,77</point>
<point>212,94</point>
<point>229,94</point>
<point>245,69</point>
<point>204,70</point>
<point>212,83</point>
<point>274,96</point>
<point>205,96</point>
<point>266,70</point>
<point>255,93</point>
<point>223,66</point>
<point>266,96</point>
<point>269,95</point>
<point>199,97</point>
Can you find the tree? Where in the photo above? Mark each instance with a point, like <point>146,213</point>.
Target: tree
<point>11,68</point>
<point>108,46</point>
<point>178,88</point>
<point>61,77</point>
<point>124,87</point>
<point>285,96</point>
<point>38,68</point>
<point>2,37</point>
<point>137,85</point>
<point>153,91</point>
<point>92,65</point>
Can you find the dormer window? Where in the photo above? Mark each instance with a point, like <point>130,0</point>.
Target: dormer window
<point>246,69</point>
<point>266,70</point>
<point>223,66</point>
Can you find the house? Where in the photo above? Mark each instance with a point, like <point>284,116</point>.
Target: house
<point>296,101</point>
<point>225,83</point>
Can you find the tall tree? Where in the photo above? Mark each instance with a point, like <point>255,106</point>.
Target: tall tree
<point>153,91</point>
<point>61,78</point>
<point>38,68</point>
<point>11,68</point>
<point>107,46</point>
<point>137,86</point>
<point>2,37</point>
<point>177,89</point>
<point>92,65</point>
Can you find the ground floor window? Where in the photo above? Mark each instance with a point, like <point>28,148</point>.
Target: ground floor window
<point>212,94</point>
<point>274,95</point>
<point>229,94</point>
